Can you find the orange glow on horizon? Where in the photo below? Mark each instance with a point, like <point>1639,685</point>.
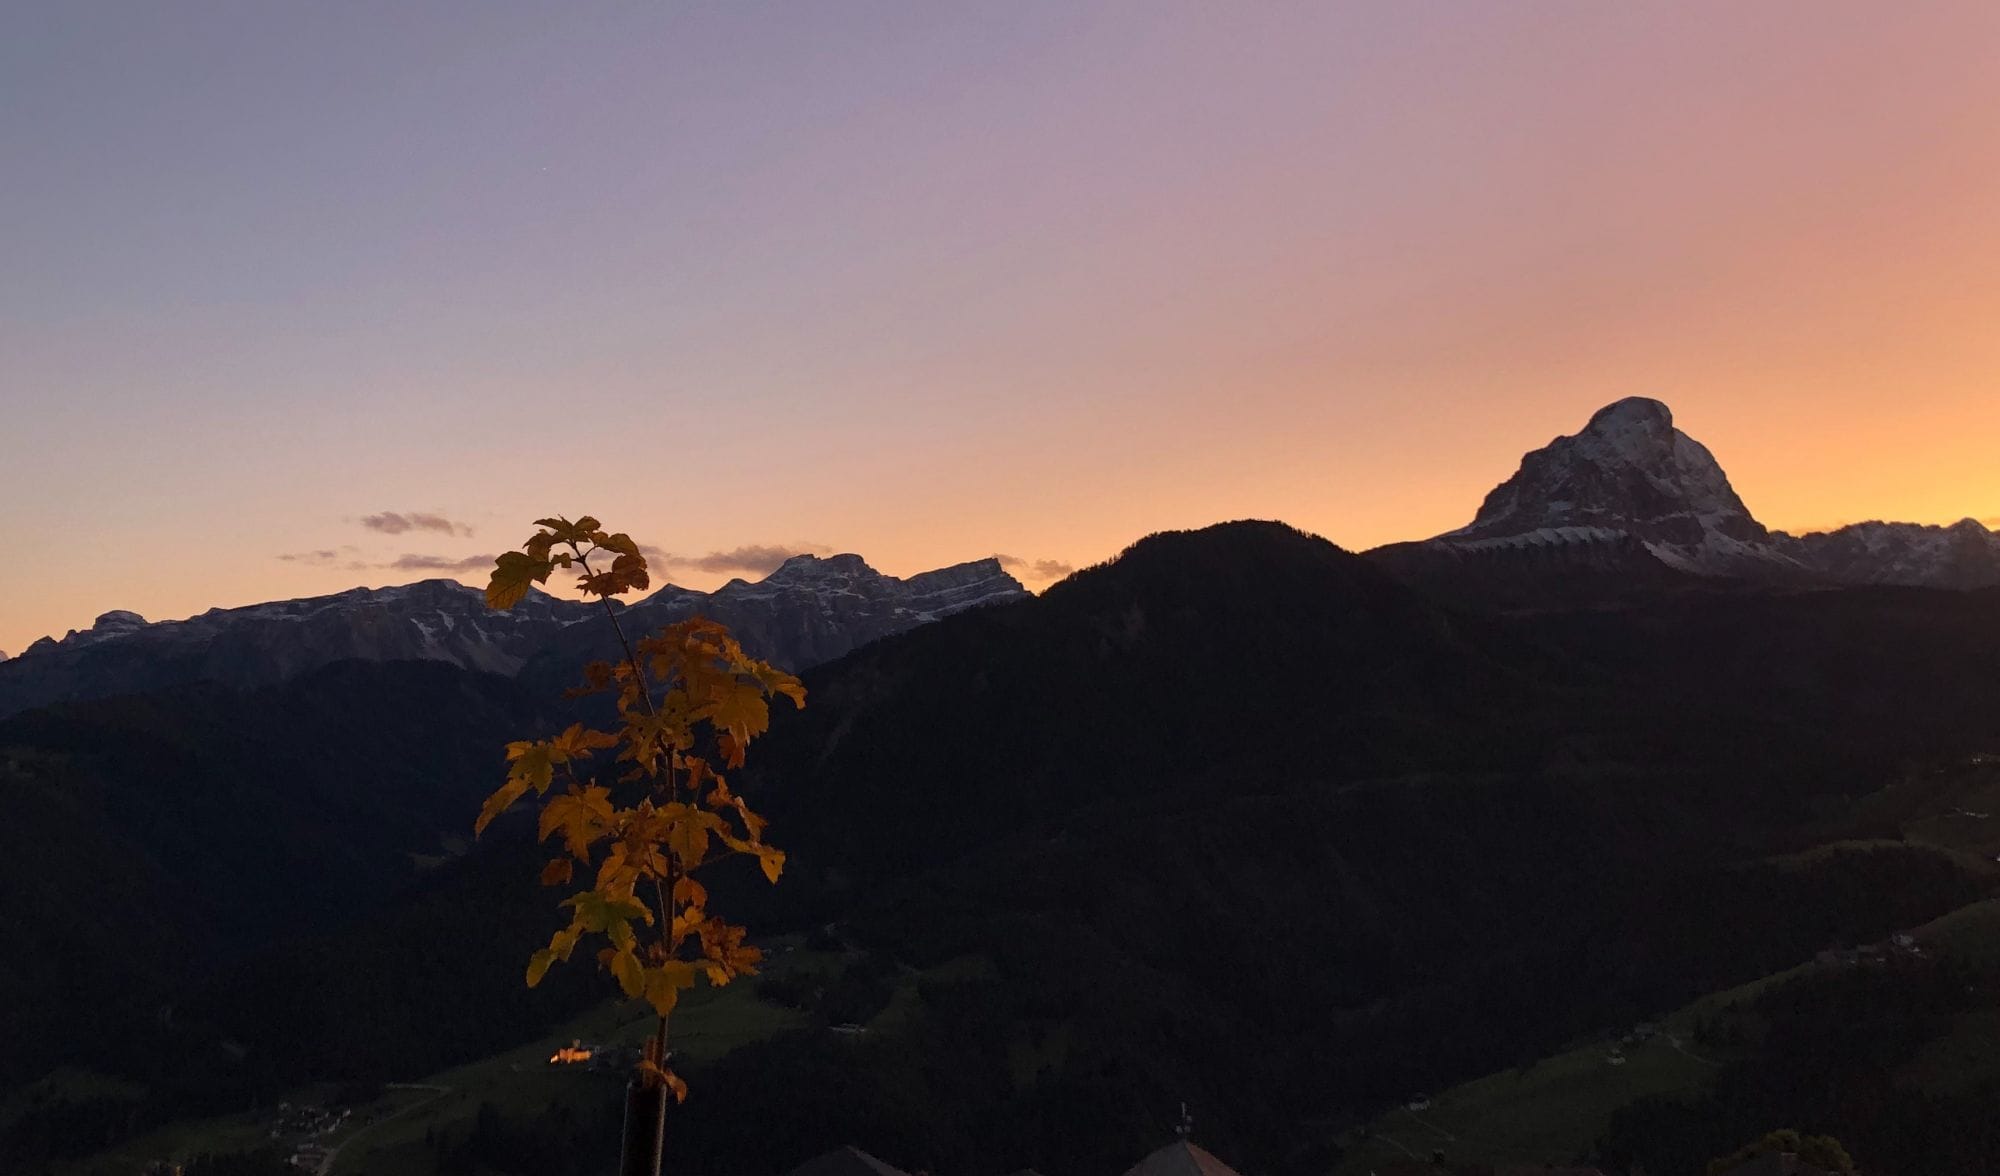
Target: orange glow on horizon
<point>1024,280</point>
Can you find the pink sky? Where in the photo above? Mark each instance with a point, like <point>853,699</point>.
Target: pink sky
<point>933,283</point>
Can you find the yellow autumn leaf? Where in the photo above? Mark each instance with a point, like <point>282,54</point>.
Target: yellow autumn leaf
<point>533,764</point>
<point>578,741</point>
<point>583,818</point>
<point>622,544</point>
<point>538,966</point>
<point>498,803</point>
<point>630,974</point>
<point>777,681</point>
<point>690,892</point>
<point>687,833</point>
<point>513,573</point>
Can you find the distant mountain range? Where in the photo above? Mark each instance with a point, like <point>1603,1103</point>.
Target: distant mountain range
<point>809,610</point>
<point>1628,508</point>
<point>1631,504</point>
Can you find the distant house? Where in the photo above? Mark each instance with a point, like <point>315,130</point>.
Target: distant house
<point>1180,1158</point>
<point>1776,1164</point>
<point>845,1161</point>
<point>1423,1168</point>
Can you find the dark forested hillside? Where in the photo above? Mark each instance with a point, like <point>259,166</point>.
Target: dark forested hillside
<point>1237,819</point>
<point>1259,823</point>
<point>154,836</point>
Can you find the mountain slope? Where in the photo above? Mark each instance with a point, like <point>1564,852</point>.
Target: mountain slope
<point>433,620</point>
<point>191,825</point>
<point>1241,792</point>
<point>808,611</point>
<point>1193,823</point>
<point>1963,555</point>
<point>1039,683</point>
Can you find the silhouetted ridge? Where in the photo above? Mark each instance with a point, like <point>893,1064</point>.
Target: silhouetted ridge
<point>1249,560</point>
<point>1189,657</point>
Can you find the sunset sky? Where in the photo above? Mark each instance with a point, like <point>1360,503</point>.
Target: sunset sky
<point>931,282</point>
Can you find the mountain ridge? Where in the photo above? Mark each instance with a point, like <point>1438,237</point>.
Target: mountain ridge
<point>1628,507</point>
<point>809,609</point>
<point>1630,502</point>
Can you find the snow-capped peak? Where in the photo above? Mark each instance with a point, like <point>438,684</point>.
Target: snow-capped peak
<point>1631,429</point>
<point>807,569</point>
<point>1961,555</point>
<point>1630,474</point>
<point>1628,470</point>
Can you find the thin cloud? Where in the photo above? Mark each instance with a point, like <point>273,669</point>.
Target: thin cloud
<point>418,562</point>
<point>758,558</point>
<point>319,558</point>
<point>1037,569</point>
<point>391,522</point>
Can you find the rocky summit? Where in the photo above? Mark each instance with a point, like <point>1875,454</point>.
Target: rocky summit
<point>1628,472</point>
<point>1630,503</point>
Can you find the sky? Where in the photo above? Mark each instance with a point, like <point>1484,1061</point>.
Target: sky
<point>303,296</point>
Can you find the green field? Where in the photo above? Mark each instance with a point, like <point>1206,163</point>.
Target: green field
<point>1552,1111</point>
<point>708,1024</point>
<point>387,1137</point>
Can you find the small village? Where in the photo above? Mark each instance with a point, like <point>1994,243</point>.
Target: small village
<point>588,1057</point>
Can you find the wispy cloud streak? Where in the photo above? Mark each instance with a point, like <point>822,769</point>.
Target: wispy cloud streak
<point>391,522</point>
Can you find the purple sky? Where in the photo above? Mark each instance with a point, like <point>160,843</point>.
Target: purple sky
<point>931,282</point>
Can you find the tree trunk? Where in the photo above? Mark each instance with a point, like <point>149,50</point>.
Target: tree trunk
<point>645,1127</point>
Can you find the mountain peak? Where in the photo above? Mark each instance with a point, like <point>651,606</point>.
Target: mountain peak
<point>1643,410</point>
<point>1629,468</point>
<point>1628,471</point>
<point>1223,569</point>
<point>1630,491</point>
<point>1634,429</point>
<point>809,566</point>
